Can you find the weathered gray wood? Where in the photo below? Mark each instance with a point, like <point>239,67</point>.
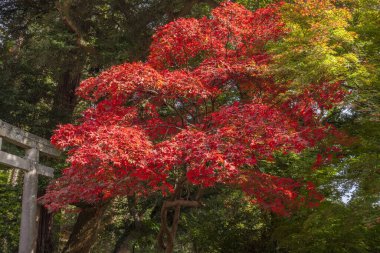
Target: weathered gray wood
<point>34,145</point>
<point>14,161</point>
<point>24,164</point>
<point>45,170</point>
<point>28,230</point>
<point>27,140</point>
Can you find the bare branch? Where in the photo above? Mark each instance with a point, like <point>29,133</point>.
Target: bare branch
<point>182,203</point>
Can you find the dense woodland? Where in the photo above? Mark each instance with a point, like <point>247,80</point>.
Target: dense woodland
<point>48,47</point>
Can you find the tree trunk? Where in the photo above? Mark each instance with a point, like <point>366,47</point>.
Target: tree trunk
<point>85,230</point>
<point>65,100</point>
<point>167,234</point>
<point>62,111</point>
<point>44,239</point>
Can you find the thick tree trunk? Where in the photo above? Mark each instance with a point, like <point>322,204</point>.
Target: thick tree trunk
<point>44,239</point>
<point>85,230</point>
<point>65,99</point>
<point>134,226</point>
<point>62,111</point>
<point>167,234</point>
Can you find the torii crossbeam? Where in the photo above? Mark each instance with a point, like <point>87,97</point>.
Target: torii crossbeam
<point>33,146</point>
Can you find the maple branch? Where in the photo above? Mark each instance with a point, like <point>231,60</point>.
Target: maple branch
<point>176,111</point>
<point>177,213</point>
<point>164,229</point>
<point>182,203</point>
<point>199,193</point>
<point>170,233</point>
<point>178,188</point>
<point>188,111</point>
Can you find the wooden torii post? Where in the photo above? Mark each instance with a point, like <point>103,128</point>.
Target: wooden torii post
<point>33,145</point>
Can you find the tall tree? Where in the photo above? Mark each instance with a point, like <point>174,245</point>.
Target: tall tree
<point>48,46</point>
<point>200,112</point>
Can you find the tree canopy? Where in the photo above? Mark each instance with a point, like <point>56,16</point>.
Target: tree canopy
<point>201,111</point>
<point>264,117</point>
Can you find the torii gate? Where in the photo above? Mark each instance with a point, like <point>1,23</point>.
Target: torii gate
<point>33,145</point>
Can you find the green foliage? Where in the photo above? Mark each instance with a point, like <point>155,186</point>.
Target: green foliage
<point>131,222</point>
<point>366,23</point>
<point>332,228</point>
<point>226,223</point>
<point>10,210</point>
<point>319,45</point>
<point>254,4</point>
<point>336,226</point>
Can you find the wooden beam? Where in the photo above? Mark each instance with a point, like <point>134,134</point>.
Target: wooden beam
<point>45,170</point>
<point>25,164</point>
<point>28,229</point>
<point>14,161</point>
<point>24,139</point>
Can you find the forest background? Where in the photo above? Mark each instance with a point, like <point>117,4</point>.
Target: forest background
<point>48,47</point>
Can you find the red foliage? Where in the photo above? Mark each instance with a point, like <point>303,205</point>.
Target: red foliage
<point>201,109</point>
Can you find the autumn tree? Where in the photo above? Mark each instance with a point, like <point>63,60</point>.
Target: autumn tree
<point>48,46</point>
<point>202,111</point>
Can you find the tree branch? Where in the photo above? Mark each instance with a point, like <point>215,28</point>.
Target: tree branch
<point>181,203</point>
<point>170,233</point>
<point>63,7</point>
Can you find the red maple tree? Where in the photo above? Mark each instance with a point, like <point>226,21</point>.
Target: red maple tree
<point>201,111</point>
